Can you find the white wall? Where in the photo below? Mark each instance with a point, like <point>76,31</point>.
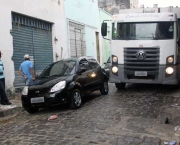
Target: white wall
<point>105,44</point>
<point>48,10</point>
<point>84,12</point>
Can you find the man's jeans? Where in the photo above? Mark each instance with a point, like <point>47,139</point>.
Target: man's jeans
<point>2,91</point>
<point>27,81</point>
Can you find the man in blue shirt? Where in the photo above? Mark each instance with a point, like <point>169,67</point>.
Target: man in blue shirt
<point>26,70</point>
<point>4,99</point>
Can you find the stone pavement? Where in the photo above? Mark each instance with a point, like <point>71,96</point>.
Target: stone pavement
<point>138,115</point>
<point>10,110</point>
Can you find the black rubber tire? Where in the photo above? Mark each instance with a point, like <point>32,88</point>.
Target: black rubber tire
<point>105,88</point>
<point>73,101</point>
<point>120,86</point>
<point>31,110</point>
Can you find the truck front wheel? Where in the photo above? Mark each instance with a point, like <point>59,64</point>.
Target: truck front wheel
<point>120,86</point>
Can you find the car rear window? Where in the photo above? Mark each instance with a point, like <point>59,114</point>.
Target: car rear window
<point>93,63</point>
<point>84,64</point>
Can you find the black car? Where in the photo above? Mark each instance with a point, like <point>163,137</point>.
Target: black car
<point>65,81</point>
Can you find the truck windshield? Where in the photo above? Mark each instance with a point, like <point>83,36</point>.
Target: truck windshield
<point>143,31</point>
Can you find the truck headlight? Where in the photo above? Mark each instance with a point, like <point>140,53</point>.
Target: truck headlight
<point>115,59</point>
<point>25,91</point>
<point>169,70</point>
<point>114,69</point>
<point>59,86</point>
<point>170,59</point>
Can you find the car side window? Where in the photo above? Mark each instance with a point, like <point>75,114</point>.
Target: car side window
<point>93,63</point>
<point>84,64</point>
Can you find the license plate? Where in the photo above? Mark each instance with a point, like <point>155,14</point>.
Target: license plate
<point>37,100</point>
<point>140,73</point>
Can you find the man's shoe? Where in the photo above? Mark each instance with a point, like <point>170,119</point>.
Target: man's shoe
<point>8,103</point>
<point>4,103</point>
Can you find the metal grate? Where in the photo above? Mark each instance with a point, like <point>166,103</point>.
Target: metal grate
<point>32,22</point>
<point>43,52</point>
<point>30,39</point>
<point>150,64</point>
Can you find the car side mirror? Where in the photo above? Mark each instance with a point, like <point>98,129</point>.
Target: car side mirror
<point>104,29</point>
<point>105,62</point>
<point>82,70</point>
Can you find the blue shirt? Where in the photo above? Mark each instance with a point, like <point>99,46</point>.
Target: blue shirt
<point>1,70</point>
<point>25,68</point>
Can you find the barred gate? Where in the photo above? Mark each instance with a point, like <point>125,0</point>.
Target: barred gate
<point>77,39</point>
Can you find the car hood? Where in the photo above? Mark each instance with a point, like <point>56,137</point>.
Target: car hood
<point>44,83</point>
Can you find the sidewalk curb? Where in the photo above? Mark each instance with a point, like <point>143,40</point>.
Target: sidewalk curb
<point>9,112</point>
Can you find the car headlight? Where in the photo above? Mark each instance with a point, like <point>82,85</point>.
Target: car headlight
<point>170,59</point>
<point>25,90</point>
<point>169,70</point>
<point>114,69</point>
<point>59,86</point>
<point>115,59</point>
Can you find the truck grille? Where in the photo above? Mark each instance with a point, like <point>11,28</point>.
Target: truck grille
<point>150,64</point>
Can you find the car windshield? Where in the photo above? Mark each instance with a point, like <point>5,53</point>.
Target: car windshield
<point>61,68</point>
<point>143,31</point>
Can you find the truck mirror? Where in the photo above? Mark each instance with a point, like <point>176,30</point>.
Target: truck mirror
<point>104,29</point>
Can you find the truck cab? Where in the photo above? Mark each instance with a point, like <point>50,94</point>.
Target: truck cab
<point>144,48</point>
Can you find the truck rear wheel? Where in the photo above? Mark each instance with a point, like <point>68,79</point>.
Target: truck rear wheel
<point>120,86</point>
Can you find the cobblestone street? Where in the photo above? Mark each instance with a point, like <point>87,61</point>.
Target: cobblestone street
<point>138,115</point>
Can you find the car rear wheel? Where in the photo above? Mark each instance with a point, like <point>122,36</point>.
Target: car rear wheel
<point>76,99</point>
<point>120,86</point>
<point>105,88</point>
<point>30,109</point>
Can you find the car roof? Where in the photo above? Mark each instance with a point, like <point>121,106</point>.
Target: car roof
<point>76,58</point>
<point>68,59</point>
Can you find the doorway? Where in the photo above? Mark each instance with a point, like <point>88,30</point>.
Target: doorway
<point>97,47</point>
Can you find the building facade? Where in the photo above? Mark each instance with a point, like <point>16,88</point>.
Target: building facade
<point>113,6</point>
<point>105,44</point>
<point>83,28</point>
<point>49,30</point>
<point>134,4</point>
<point>31,27</point>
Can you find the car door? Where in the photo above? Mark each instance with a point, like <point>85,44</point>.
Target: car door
<point>96,76</point>
<point>84,77</point>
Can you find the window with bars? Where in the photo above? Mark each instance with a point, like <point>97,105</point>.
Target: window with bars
<point>77,39</point>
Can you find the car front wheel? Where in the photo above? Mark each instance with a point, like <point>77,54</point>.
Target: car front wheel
<point>76,99</point>
<point>105,88</point>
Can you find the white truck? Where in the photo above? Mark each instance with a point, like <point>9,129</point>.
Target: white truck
<point>145,47</point>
